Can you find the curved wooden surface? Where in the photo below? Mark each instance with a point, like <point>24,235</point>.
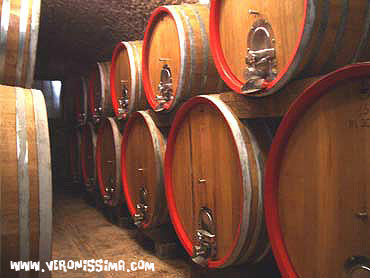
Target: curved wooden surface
<point>178,36</point>
<point>88,159</point>
<point>126,73</point>
<point>79,93</point>
<point>19,25</point>
<point>143,147</point>
<point>108,161</point>
<point>213,160</point>
<point>317,195</point>
<point>75,155</point>
<point>100,100</point>
<point>309,38</point>
<point>26,186</point>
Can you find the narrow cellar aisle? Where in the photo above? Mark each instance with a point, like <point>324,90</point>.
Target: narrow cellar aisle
<point>80,232</point>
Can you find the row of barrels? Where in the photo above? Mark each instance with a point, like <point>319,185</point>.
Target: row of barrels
<point>233,187</point>
<point>256,52</point>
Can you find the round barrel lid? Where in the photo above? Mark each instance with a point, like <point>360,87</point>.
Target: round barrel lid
<point>317,191</point>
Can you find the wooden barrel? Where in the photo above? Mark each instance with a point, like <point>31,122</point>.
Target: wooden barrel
<point>99,92</point>
<point>88,151</point>
<point>259,46</point>
<point>214,168</point>
<point>26,188</point>
<point>317,195</point>
<point>80,102</point>
<point>177,61</point>
<point>126,79</point>
<point>143,147</point>
<point>108,161</point>
<point>19,23</point>
<point>75,154</point>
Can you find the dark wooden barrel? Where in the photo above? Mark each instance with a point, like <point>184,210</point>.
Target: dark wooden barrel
<point>100,101</point>
<point>78,91</point>
<point>177,61</point>
<point>75,154</point>
<point>19,25</point>
<point>108,161</point>
<point>26,186</point>
<point>259,46</point>
<point>88,160</point>
<point>317,195</point>
<point>126,79</point>
<point>214,168</point>
<point>143,147</point>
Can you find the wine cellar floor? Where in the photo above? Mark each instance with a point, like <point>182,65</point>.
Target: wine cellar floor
<point>80,232</point>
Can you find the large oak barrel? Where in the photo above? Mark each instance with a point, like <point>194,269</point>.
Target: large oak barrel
<point>177,61</point>
<point>108,161</point>
<point>143,147</point>
<point>259,46</point>
<point>317,195</point>
<point>126,79</point>
<point>100,101</point>
<point>26,188</point>
<point>19,28</point>
<point>214,168</point>
<point>88,153</point>
<point>75,154</point>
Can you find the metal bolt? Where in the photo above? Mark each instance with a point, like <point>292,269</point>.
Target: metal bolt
<point>250,11</point>
<point>363,215</point>
<point>202,180</point>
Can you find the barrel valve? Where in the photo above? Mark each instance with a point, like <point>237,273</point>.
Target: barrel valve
<point>165,87</point>
<point>123,100</point>
<point>90,184</point>
<point>96,117</point>
<point>81,118</point>
<point>141,207</point>
<point>109,190</point>
<point>205,246</point>
<point>358,267</point>
<point>261,58</point>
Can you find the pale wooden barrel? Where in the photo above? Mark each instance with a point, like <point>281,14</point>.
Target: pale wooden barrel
<point>100,100</point>
<point>19,28</point>
<point>108,161</point>
<point>143,147</point>
<point>317,195</point>
<point>126,79</point>
<point>26,186</point>
<point>308,38</point>
<point>177,61</point>
<point>214,168</point>
<point>88,157</point>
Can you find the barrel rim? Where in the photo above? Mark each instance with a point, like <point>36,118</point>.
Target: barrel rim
<point>223,68</point>
<point>85,129</point>
<point>243,226</point>
<point>131,206</point>
<point>277,150</point>
<point>150,95</point>
<point>92,80</point>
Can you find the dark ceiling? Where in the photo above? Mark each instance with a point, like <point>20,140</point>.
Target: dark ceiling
<point>76,33</point>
